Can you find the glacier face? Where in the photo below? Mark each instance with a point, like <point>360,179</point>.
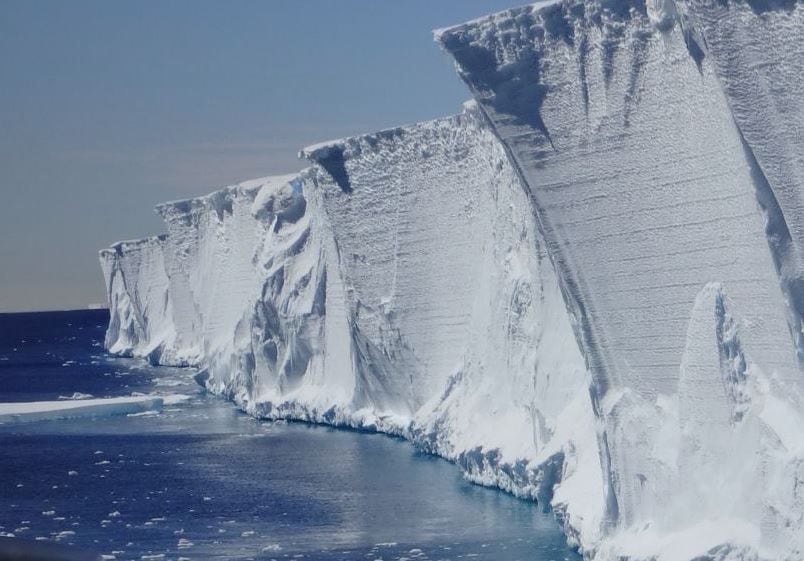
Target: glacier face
<point>399,284</point>
<point>758,57</point>
<point>670,206</point>
<point>584,289</point>
<point>141,322</point>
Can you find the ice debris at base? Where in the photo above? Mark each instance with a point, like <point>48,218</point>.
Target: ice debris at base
<point>584,289</point>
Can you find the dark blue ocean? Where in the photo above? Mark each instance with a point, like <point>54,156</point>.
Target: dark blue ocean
<point>202,481</point>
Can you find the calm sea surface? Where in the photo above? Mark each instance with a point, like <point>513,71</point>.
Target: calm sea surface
<point>202,481</point>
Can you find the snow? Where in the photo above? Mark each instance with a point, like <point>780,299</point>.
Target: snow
<point>584,289</point>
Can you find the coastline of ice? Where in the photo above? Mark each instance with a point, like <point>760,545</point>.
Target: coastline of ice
<point>301,320</point>
<point>585,289</point>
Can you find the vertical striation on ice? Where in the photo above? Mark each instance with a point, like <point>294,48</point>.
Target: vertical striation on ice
<point>141,313</point>
<point>400,284</point>
<point>456,309</point>
<point>584,289</point>
<point>757,53</point>
<point>645,193</point>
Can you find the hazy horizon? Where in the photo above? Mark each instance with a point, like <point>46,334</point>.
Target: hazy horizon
<point>111,108</point>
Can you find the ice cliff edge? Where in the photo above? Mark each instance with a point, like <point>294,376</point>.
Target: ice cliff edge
<point>399,284</point>
<point>584,289</point>
<point>660,145</point>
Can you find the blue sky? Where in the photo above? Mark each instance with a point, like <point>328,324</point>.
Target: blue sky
<point>109,107</point>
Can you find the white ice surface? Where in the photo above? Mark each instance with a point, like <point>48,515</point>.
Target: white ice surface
<point>628,124</point>
<point>141,322</point>
<point>584,289</point>
<point>51,410</point>
<point>401,285</point>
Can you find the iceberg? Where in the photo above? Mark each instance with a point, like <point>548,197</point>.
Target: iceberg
<point>584,289</point>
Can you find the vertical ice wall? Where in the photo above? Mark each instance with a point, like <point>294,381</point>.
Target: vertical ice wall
<point>208,256</point>
<point>248,266</point>
<point>456,311</point>
<point>293,344</point>
<point>409,210</point>
<point>141,322</point>
<point>757,52</point>
<point>400,284</point>
<point>647,198</point>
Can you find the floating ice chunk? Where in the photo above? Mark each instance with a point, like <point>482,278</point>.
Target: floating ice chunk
<point>77,408</point>
<point>77,395</point>
<point>169,382</point>
<point>143,414</point>
<point>50,410</point>
<point>174,399</point>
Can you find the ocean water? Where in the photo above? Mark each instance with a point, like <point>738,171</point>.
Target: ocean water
<point>200,480</point>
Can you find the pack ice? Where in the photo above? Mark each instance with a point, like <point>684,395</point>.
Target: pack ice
<point>585,289</point>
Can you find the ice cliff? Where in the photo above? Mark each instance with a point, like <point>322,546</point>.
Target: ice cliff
<point>585,289</point>
<point>399,284</point>
<point>659,143</point>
